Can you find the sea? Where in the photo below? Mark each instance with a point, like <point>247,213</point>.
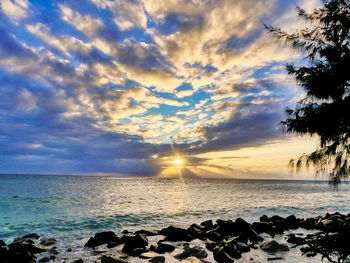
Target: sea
<point>74,208</point>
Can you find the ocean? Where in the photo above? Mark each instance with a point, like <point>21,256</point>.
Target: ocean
<point>73,208</point>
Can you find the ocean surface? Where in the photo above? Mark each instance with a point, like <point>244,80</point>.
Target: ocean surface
<point>73,208</point>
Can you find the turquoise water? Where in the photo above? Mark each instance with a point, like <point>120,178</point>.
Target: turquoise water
<point>71,208</point>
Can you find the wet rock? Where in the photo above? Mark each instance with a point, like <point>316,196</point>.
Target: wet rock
<point>221,256</point>
<point>292,238</point>
<point>44,259</point>
<point>2,243</point>
<point>273,246</point>
<point>109,259</point>
<point>264,218</point>
<point>291,222</point>
<point>173,233</point>
<point>134,245</point>
<point>148,255</point>
<point>213,235</point>
<point>53,251</point>
<point>31,248</point>
<point>147,233</point>
<point>192,260</point>
<point>262,227</point>
<point>48,241</point>
<point>163,247</point>
<point>211,245</point>
<point>100,250</point>
<point>31,236</point>
<point>23,257</point>
<point>157,259</point>
<point>309,223</point>
<point>103,238</point>
<point>207,224</point>
<point>196,251</point>
<point>197,231</point>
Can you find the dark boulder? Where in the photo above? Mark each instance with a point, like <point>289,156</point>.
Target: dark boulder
<point>31,236</point>
<point>109,259</point>
<point>48,241</point>
<point>207,224</point>
<point>213,235</point>
<point>134,245</point>
<point>163,247</point>
<point>103,238</point>
<point>147,232</point>
<point>273,247</point>
<point>195,251</point>
<point>292,238</point>
<point>291,222</point>
<point>264,218</point>
<point>230,250</point>
<point>197,231</point>
<point>173,233</point>
<point>262,227</point>
<point>157,259</point>
<point>29,247</point>
<point>2,243</point>
<point>211,245</point>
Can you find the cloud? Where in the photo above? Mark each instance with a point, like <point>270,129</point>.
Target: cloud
<point>14,9</point>
<point>105,86</point>
<point>88,25</point>
<point>127,14</point>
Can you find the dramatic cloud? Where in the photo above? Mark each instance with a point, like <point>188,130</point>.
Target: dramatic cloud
<point>119,87</point>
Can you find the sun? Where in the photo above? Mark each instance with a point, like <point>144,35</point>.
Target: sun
<point>178,162</point>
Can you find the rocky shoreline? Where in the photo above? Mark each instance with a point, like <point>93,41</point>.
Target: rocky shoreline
<point>226,241</point>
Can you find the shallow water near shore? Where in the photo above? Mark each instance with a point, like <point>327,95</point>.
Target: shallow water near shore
<point>73,208</point>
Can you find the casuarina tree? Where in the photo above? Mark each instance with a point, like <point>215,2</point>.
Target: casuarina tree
<point>325,109</point>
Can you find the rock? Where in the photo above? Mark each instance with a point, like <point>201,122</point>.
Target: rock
<point>213,235</point>
<point>147,233</point>
<point>197,231</point>
<point>273,246</point>
<point>109,259</point>
<point>173,233</point>
<point>44,259</point>
<point>2,243</point>
<point>292,238</point>
<point>211,245</point>
<point>191,260</point>
<point>163,247</point>
<point>230,249</point>
<point>148,255</point>
<point>134,245</point>
<point>48,241</point>
<point>196,251</point>
<point>103,238</point>
<point>80,260</point>
<point>331,224</point>
<point>242,225</point>
<point>309,223</point>
<point>31,248</point>
<point>221,256</point>
<point>100,250</point>
<point>262,227</point>
<point>291,222</point>
<point>264,218</point>
<point>157,259</point>
<point>23,257</point>
<point>53,251</point>
<point>207,224</point>
<point>31,236</point>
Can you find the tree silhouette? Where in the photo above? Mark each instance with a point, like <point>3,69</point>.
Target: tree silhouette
<point>325,109</point>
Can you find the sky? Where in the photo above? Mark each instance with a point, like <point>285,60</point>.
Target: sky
<point>148,88</point>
